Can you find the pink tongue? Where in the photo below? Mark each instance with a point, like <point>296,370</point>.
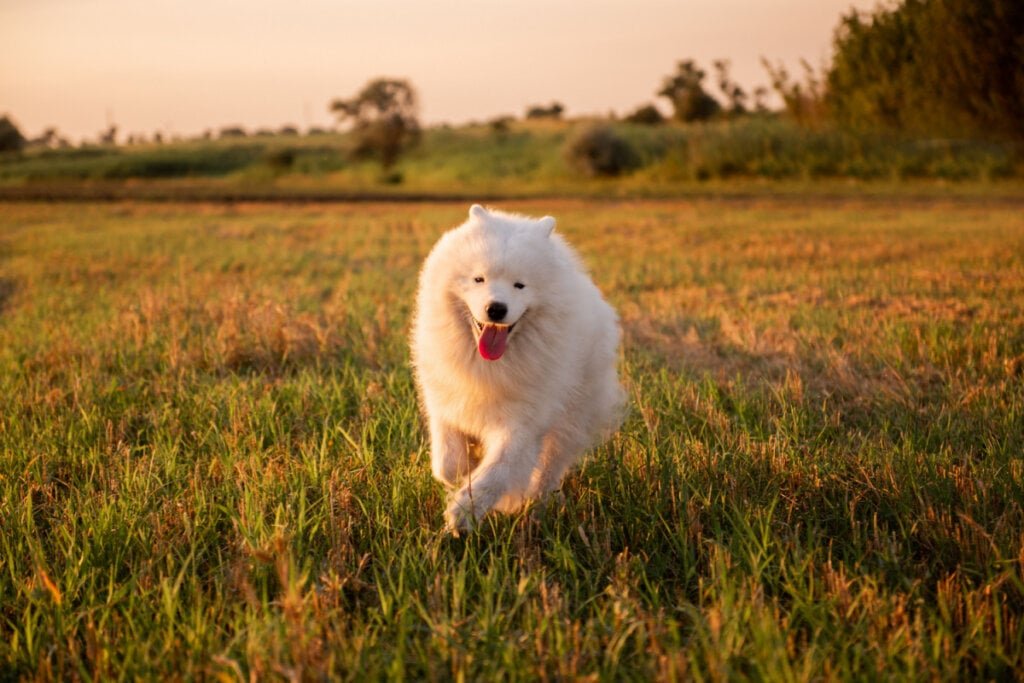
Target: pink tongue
<point>492,341</point>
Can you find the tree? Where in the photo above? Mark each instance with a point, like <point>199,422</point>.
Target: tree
<point>760,99</point>
<point>11,139</point>
<point>552,111</point>
<point>934,67</point>
<point>734,94</point>
<point>384,119</point>
<point>48,138</point>
<point>804,101</point>
<point>108,136</point>
<point>685,91</point>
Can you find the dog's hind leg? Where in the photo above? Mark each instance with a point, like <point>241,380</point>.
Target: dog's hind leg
<point>559,453</point>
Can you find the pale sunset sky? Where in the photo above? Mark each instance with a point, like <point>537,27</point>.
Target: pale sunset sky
<point>182,66</point>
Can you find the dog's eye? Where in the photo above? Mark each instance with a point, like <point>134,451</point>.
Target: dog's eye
<point>478,279</point>
<point>519,285</point>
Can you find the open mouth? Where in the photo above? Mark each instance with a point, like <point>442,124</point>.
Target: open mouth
<point>491,338</point>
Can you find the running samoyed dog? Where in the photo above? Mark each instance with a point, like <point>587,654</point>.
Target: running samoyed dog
<point>515,356</point>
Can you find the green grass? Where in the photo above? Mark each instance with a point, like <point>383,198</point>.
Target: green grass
<point>213,464</point>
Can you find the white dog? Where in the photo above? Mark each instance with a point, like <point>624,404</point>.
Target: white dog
<point>515,355</point>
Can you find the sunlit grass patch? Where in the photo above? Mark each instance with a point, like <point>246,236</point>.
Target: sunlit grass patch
<point>213,462</point>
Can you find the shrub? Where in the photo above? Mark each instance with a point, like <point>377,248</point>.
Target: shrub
<point>500,125</point>
<point>280,159</point>
<point>647,115</point>
<point>597,150</point>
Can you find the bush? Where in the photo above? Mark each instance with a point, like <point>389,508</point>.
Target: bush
<point>647,115</point>
<point>597,150</point>
<point>501,125</point>
<point>280,159</point>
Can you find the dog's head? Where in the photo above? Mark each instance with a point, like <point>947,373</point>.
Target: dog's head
<point>501,272</point>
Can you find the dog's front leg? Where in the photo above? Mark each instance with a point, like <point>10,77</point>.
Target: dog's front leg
<point>449,453</point>
<point>510,457</point>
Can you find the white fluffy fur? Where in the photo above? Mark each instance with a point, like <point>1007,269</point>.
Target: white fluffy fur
<point>506,431</point>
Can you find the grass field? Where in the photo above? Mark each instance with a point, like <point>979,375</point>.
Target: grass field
<point>213,465</point>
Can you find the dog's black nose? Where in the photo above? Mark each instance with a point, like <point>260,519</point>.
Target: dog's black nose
<point>496,311</point>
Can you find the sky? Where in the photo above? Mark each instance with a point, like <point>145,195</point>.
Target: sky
<point>183,66</point>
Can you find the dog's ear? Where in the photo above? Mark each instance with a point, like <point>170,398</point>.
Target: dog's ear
<point>477,211</point>
<point>547,224</point>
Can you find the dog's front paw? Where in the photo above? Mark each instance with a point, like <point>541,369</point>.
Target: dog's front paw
<point>467,507</point>
<point>459,516</point>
